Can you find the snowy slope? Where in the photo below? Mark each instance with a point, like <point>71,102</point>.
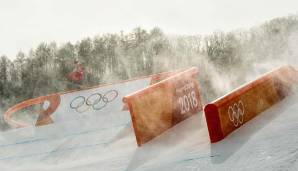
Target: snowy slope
<point>268,142</point>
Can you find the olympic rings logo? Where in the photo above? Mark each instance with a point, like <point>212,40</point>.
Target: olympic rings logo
<point>95,101</point>
<point>236,113</point>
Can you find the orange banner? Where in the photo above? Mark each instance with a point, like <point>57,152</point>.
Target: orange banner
<point>164,104</point>
<point>43,118</point>
<point>55,101</point>
<point>228,113</point>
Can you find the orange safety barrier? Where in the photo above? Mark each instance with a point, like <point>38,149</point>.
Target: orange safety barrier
<point>229,112</point>
<point>164,104</point>
<point>54,101</point>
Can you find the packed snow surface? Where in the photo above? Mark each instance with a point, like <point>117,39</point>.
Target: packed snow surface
<point>107,142</point>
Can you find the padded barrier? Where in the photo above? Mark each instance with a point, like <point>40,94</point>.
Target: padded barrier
<point>164,104</point>
<point>53,99</point>
<point>56,100</point>
<point>229,112</point>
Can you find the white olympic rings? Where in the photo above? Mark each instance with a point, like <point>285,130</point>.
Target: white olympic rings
<point>236,113</point>
<point>97,101</point>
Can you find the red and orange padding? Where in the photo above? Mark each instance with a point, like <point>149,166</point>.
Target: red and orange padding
<point>44,116</point>
<point>229,112</point>
<point>164,104</point>
<point>55,100</point>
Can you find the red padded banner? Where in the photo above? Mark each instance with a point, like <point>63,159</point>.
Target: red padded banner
<point>229,112</point>
<point>44,116</point>
<point>164,104</point>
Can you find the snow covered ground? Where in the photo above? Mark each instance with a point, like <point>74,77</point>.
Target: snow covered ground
<point>107,142</point>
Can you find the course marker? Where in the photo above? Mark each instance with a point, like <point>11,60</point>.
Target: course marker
<point>164,104</point>
<point>49,105</point>
<point>229,112</point>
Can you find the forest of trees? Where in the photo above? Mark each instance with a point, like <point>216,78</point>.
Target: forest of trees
<point>112,57</point>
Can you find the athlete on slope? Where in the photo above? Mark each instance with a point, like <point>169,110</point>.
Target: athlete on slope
<point>77,75</point>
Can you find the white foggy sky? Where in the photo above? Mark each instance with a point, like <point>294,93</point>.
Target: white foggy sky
<point>26,23</point>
